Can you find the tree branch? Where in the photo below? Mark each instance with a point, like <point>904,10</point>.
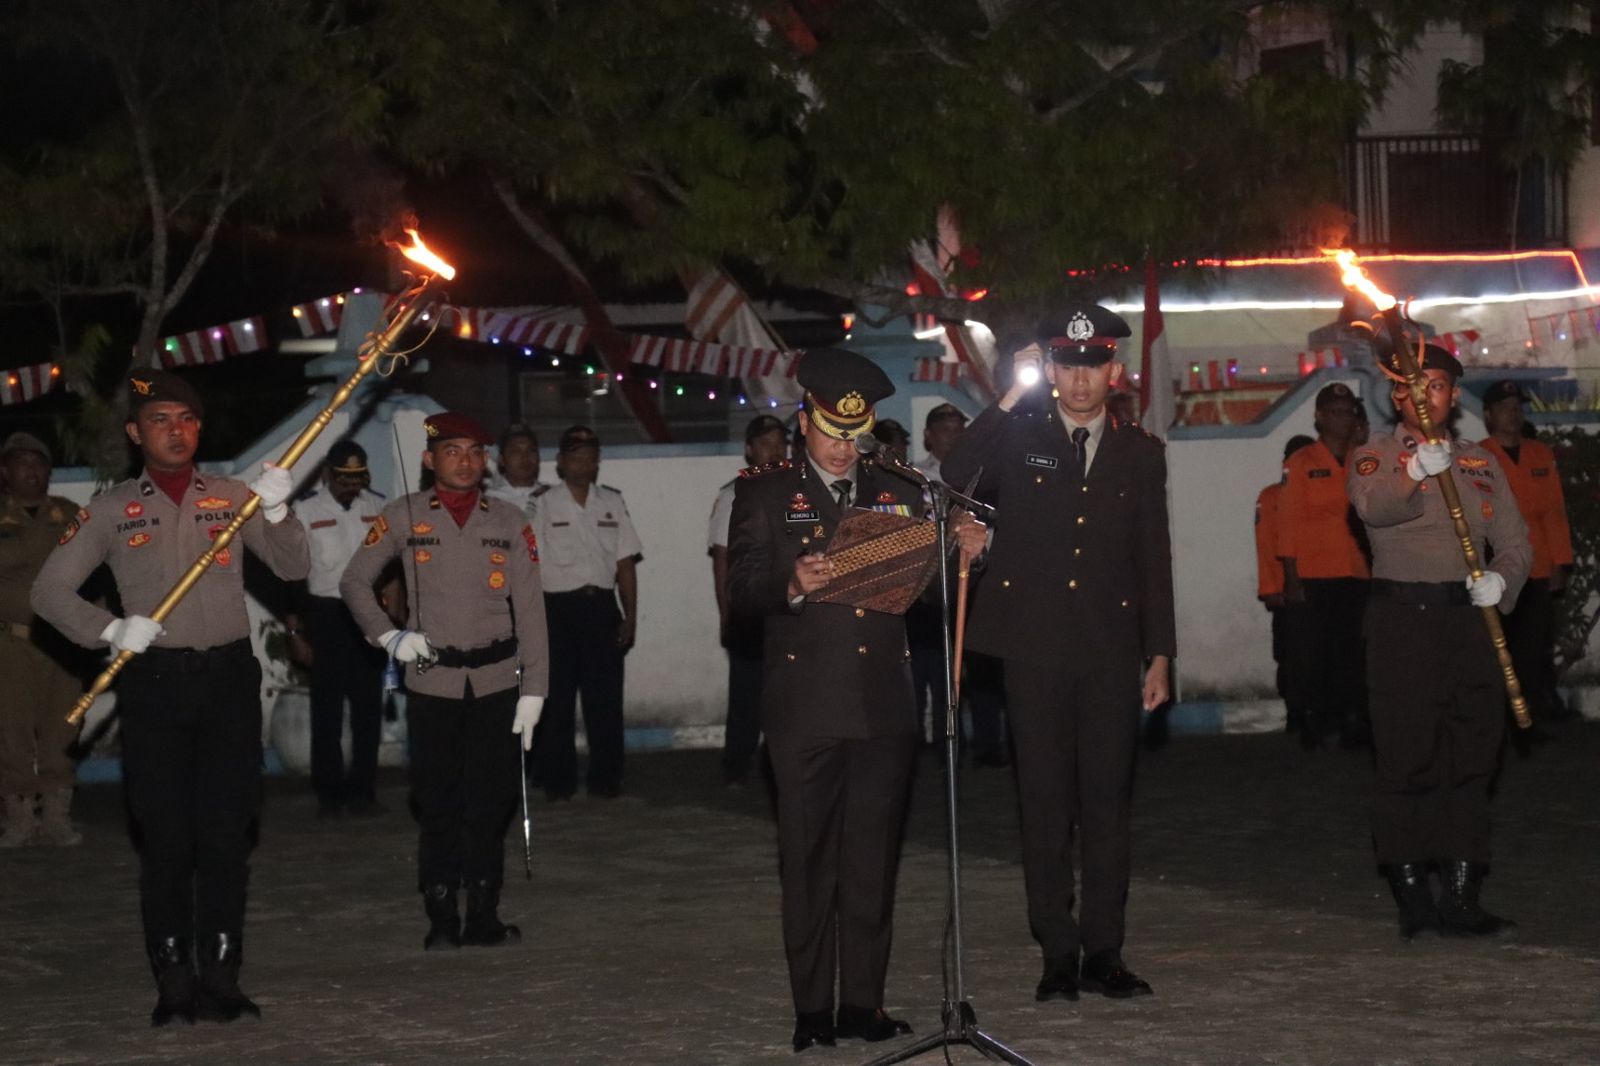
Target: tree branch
<point>897,301</point>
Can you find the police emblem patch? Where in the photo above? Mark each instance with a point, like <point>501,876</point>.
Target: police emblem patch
<point>1366,465</point>
<point>497,579</point>
<point>852,404</point>
<point>141,386</point>
<point>1079,328</point>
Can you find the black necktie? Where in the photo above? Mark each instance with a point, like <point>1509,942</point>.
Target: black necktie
<point>841,489</point>
<point>1080,452</point>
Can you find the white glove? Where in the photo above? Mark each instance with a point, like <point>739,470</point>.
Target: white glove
<point>529,708</point>
<point>133,633</point>
<point>407,645</point>
<point>274,485</point>
<point>1429,460</point>
<point>1486,590</point>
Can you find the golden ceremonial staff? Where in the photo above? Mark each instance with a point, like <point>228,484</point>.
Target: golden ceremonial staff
<point>1411,365</point>
<point>378,346</point>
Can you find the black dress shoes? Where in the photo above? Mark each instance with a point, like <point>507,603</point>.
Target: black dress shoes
<point>174,970</point>
<point>869,1024</point>
<point>219,998</point>
<point>1103,972</point>
<point>812,1028</point>
<point>1060,981</point>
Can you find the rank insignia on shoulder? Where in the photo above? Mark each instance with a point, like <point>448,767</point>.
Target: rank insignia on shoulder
<point>766,468</point>
<point>540,489</point>
<point>1366,465</point>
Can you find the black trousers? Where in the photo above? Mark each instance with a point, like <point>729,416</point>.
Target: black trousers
<point>191,757</point>
<point>465,767</point>
<point>841,811</point>
<point>346,668</point>
<point>983,687</point>
<point>1296,683</point>
<point>1076,727</point>
<point>584,660</point>
<point>1531,638</point>
<point>741,737</point>
<point>1438,717</point>
<point>1324,656</point>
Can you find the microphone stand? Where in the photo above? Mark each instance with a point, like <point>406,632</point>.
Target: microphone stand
<point>960,1021</point>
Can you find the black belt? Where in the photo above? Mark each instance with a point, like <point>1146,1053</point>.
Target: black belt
<point>195,660</point>
<point>587,590</point>
<point>1422,593</point>
<point>472,658</point>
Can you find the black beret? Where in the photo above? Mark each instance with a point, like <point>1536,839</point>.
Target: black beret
<point>1085,335</point>
<point>153,385</point>
<point>841,391</point>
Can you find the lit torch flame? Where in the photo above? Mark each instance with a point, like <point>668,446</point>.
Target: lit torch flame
<point>1355,278</point>
<point>425,257</point>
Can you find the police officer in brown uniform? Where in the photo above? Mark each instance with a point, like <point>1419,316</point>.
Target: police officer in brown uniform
<point>1436,692</point>
<point>189,700</point>
<point>476,670</point>
<point>1077,601</point>
<point>34,734</point>
<point>836,703</point>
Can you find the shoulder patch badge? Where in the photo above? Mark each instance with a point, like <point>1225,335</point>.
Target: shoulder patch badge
<point>375,532</point>
<point>532,542</point>
<point>1367,465</point>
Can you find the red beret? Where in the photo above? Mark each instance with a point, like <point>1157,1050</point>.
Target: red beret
<point>447,425</point>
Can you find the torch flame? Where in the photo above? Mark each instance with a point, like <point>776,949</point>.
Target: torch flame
<point>1355,278</point>
<point>425,257</point>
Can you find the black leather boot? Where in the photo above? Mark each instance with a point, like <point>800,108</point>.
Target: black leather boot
<point>174,970</point>
<point>1459,912</point>
<point>1409,883</point>
<point>483,927</point>
<point>219,999</point>
<point>444,919</point>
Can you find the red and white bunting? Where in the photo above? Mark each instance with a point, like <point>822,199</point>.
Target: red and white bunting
<point>717,360</point>
<point>215,343</point>
<point>24,383</point>
<point>319,316</point>
<point>712,303</point>
<point>936,370</point>
<point>1455,342</point>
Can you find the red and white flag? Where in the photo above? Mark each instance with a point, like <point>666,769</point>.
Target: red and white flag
<point>318,316</point>
<point>717,309</point>
<point>24,383</point>
<point>1156,403</point>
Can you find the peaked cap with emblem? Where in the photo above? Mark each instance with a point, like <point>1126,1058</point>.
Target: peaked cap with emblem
<point>1503,390</point>
<point>1084,335</point>
<point>575,437</point>
<point>448,425</point>
<point>841,390</point>
<point>1433,358</point>
<point>153,385</point>
<point>347,457</point>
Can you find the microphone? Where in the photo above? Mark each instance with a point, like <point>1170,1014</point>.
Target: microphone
<point>867,444</point>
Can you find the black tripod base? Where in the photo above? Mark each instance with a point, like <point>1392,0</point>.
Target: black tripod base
<point>960,1027</point>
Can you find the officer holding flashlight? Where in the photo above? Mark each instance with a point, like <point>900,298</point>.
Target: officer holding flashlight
<point>1077,602</point>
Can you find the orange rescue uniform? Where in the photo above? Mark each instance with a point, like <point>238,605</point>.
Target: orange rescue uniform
<point>1269,571</point>
<point>1536,486</point>
<point>1314,526</point>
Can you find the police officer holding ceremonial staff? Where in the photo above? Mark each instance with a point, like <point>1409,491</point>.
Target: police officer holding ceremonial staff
<point>1436,692</point>
<point>836,702</point>
<point>189,700</point>
<point>476,670</point>
<point>1076,598</point>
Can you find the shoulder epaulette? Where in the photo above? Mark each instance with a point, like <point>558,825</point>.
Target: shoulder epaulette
<point>540,489</point>
<point>608,488</point>
<point>767,468</point>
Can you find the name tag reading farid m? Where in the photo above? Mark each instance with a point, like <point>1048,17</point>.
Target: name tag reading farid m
<point>1046,462</point>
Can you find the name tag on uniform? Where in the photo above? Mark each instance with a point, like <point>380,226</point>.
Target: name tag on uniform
<point>1046,462</point>
<point>1320,472</point>
<point>324,524</point>
<point>1540,471</point>
<point>802,516</point>
<point>559,525</point>
<point>606,525</point>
